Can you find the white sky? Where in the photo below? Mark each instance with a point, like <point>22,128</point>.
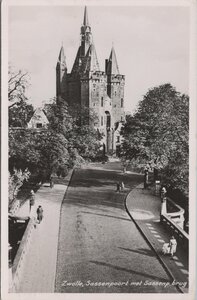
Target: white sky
<point>151,44</point>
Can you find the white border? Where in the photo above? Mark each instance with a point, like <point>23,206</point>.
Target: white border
<point>4,135</point>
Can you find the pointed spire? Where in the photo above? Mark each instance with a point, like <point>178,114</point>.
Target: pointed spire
<point>62,57</point>
<point>112,67</point>
<point>94,65</point>
<point>85,19</point>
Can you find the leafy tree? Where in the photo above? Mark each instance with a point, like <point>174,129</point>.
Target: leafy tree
<point>16,180</point>
<point>76,123</point>
<point>20,111</point>
<point>42,152</point>
<point>17,84</point>
<point>158,134</point>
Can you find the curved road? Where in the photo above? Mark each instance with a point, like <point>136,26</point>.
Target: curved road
<point>100,250</point>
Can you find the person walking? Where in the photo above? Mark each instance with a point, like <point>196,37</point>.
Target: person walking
<point>118,187</point>
<point>39,213</point>
<point>51,182</point>
<point>122,186</point>
<point>145,178</point>
<point>31,200</point>
<point>163,194</point>
<point>173,245</point>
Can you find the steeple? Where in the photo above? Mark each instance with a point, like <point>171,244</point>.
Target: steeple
<point>85,19</point>
<point>62,59</point>
<point>86,35</point>
<point>111,64</point>
<point>61,73</point>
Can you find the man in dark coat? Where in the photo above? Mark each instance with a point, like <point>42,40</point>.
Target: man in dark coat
<point>39,213</point>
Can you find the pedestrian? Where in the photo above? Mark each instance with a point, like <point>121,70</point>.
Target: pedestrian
<point>118,187</point>
<point>39,213</point>
<point>163,193</point>
<point>145,178</point>
<point>31,200</point>
<point>51,182</point>
<point>166,248</point>
<point>122,186</point>
<point>173,245</point>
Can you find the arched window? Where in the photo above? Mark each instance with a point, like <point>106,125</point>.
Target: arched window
<point>121,102</point>
<point>101,120</point>
<point>101,101</point>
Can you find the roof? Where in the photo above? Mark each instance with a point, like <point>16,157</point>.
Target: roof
<point>89,63</point>
<point>112,67</point>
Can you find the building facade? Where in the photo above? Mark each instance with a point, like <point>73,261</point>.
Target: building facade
<point>86,85</point>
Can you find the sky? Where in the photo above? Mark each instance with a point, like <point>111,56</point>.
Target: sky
<point>151,45</point>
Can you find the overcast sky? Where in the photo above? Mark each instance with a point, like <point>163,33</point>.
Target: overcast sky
<point>151,44</point>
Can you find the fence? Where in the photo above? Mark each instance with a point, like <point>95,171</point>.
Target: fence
<point>173,221</point>
<point>181,236</point>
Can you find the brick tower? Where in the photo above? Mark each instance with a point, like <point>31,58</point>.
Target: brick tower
<point>87,85</point>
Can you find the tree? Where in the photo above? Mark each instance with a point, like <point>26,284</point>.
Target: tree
<point>41,152</point>
<point>16,180</point>
<point>76,123</point>
<point>158,134</point>
<point>20,111</point>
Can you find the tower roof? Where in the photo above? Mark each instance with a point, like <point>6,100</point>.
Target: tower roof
<point>93,65</point>
<point>85,19</point>
<point>62,57</point>
<point>112,67</point>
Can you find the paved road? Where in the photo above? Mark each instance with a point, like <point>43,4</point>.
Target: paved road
<point>100,250</point>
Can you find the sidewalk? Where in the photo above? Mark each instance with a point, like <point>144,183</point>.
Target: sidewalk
<point>40,266</point>
<point>144,209</point>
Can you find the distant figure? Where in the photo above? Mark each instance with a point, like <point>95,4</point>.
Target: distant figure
<point>145,178</point>
<point>118,187</point>
<point>39,213</point>
<point>31,199</point>
<point>173,245</point>
<point>166,248</point>
<point>163,193</point>
<point>51,182</point>
<point>122,186</point>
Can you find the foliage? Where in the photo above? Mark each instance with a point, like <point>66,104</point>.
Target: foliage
<point>20,111</point>
<point>20,114</point>
<point>158,134</point>
<point>16,180</point>
<point>76,124</point>
<point>42,151</point>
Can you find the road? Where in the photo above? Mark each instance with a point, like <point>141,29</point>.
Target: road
<point>100,249</point>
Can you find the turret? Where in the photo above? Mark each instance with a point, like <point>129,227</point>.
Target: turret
<point>61,73</point>
<point>111,65</point>
<point>86,35</point>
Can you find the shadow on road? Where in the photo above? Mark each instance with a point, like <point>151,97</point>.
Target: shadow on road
<point>142,251</point>
<point>106,215</point>
<point>128,270</point>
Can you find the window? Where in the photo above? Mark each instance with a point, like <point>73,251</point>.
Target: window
<point>115,93</point>
<point>118,139</point>
<point>101,101</point>
<point>101,120</point>
<point>121,102</point>
<point>39,125</point>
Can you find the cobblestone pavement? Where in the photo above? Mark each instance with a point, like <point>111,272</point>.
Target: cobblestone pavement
<point>144,208</point>
<point>98,242</point>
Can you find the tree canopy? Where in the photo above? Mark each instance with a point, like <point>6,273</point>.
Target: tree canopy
<point>158,134</point>
<point>20,111</point>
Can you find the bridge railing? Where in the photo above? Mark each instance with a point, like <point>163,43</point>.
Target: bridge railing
<point>181,236</point>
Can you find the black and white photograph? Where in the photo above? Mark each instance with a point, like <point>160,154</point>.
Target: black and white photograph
<point>98,143</point>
